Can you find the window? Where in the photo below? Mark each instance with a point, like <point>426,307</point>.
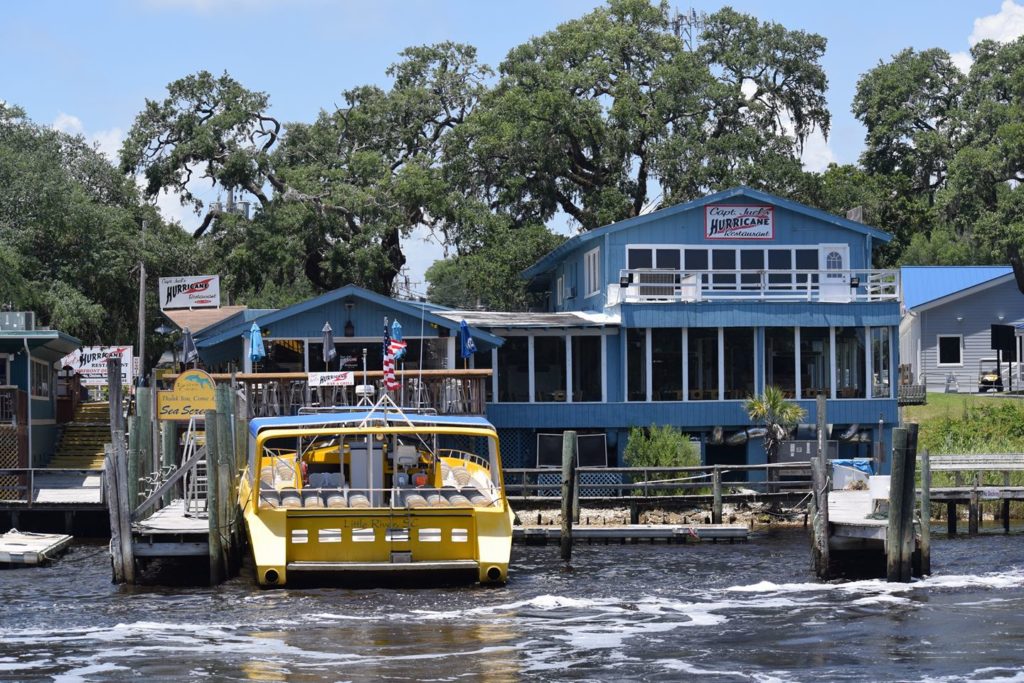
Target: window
<point>780,359</point>
<point>667,364</point>
<point>639,258</point>
<point>881,377</point>
<point>949,349</point>
<point>5,370</point>
<point>40,379</point>
<point>739,363</point>
<point>513,370</point>
<point>549,368</point>
<point>815,375</point>
<point>592,271</point>
<point>636,364</point>
<point>586,368</point>
<point>850,351</point>
<point>702,357</point>
<point>559,288</point>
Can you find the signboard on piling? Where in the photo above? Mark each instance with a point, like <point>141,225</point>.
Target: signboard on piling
<point>331,379</point>
<point>729,222</point>
<point>90,363</point>
<point>193,393</point>
<point>190,291</point>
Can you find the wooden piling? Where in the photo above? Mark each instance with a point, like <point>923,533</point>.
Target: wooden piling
<point>124,508</point>
<point>225,480</point>
<point>894,531</point>
<point>951,518</point>
<point>819,520</point>
<point>926,513</point>
<point>568,479</point>
<point>212,502</point>
<point>132,477</point>
<point>111,492</point>
<point>907,538</point>
<point>716,506</point>
<point>1006,515</point>
<point>144,441</point>
<point>972,509</point>
<point>114,394</point>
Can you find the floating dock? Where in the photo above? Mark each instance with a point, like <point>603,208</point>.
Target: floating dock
<point>668,533</point>
<point>21,548</point>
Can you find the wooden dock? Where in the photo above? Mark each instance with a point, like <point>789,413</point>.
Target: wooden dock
<point>169,532</point>
<point>667,533</point>
<point>20,548</point>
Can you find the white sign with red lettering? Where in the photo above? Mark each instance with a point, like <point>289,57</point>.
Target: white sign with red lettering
<point>728,222</point>
<point>90,362</point>
<point>192,291</point>
<point>331,379</point>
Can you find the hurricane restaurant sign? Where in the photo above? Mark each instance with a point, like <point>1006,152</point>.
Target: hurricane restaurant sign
<point>730,222</point>
<point>192,291</point>
<point>193,394</point>
<point>90,363</point>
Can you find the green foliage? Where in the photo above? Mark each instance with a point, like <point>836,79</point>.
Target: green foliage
<point>663,446</point>
<point>994,426</point>
<point>772,411</point>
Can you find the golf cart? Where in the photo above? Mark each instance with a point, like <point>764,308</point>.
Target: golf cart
<point>989,376</point>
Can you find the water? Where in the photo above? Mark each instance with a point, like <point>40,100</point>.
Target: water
<point>745,612</point>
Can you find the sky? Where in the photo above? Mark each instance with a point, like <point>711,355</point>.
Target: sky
<point>88,67</point>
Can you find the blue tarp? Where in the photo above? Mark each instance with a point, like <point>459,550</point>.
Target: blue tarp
<point>354,418</point>
<point>863,464</point>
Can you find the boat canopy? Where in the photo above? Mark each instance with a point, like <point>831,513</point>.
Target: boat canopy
<point>258,424</point>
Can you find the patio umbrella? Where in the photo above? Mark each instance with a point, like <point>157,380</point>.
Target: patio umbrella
<point>189,352</point>
<point>329,351</point>
<point>256,350</point>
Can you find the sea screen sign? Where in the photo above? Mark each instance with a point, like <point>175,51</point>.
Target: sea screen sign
<point>729,222</point>
<point>90,363</point>
<point>192,291</point>
<point>193,394</point>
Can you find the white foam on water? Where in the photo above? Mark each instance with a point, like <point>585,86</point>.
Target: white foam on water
<point>989,674</point>
<point>10,664</point>
<point>995,580</point>
<point>82,672</point>
<point>884,599</point>
<point>682,666</point>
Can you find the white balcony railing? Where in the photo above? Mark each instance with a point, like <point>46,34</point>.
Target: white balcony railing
<point>842,286</point>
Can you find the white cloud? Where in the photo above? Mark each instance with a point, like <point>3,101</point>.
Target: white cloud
<point>1005,25</point>
<point>107,142</point>
<point>817,153</point>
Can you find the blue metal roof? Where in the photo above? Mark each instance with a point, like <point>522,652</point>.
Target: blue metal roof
<point>353,418</point>
<point>410,308</point>
<point>923,284</point>
<point>552,258</point>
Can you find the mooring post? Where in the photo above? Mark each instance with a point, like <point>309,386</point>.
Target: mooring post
<point>716,492</point>
<point>576,497</point>
<point>212,502</point>
<point>225,476</point>
<point>951,518</point>
<point>568,475</point>
<point>819,520</point>
<point>926,513</point>
<point>114,511</point>
<point>909,504</point>
<point>124,508</point>
<point>894,530</point>
<point>168,452</point>
<point>114,395</point>
<point>144,442</point>
<point>132,477</point>
<point>972,509</point>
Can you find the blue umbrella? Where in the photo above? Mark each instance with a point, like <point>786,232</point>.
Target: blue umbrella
<point>256,350</point>
<point>466,343</point>
<point>189,352</point>
<point>330,353</point>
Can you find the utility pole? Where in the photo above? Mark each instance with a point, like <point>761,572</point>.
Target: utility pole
<point>142,308</point>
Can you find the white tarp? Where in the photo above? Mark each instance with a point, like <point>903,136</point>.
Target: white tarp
<point>91,363</point>
<point>191,291</point>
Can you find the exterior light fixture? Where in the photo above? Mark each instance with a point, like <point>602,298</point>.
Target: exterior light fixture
<point>623,281</point>
<point>854,282</point>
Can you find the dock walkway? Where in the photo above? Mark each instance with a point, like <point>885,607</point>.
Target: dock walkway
<point>669,533</point>
<point>169,532</point>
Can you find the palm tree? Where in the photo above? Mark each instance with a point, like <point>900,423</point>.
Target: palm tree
<point>776,414</point>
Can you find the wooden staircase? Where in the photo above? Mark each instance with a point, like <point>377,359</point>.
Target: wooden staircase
<point>82,441</point>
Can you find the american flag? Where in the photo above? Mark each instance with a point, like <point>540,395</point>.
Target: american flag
<point>390,382</point>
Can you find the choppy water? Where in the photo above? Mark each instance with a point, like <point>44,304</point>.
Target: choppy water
<point>746,612</point>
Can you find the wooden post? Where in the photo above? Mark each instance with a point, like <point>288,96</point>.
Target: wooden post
<point>716,507</point>
<point>576,498</point>
<point>132,476</point>
<point>819,522</point>
<point>111,490</point>
<point>114,394</point>
<point>124,508</point>
<point>212,503</point>
<point>822,425</point>
<point>1006,515</point>
<point>168,452</point>
<point>951,518</point>
<point>144,442</point>
<point>926,513</point>
<point>907,539</point>
<point>225,483</point>
<point>972,509</point>
<point>568,475</point>
<point>894,531</point>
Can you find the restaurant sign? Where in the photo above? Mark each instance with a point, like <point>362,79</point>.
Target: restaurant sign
<point>730,222</point>
<point>193,393</point>
<point>331,379</point>
<point>90,364</point>
<point>191,291</point>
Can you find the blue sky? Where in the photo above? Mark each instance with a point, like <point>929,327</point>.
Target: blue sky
<point>87,67</point>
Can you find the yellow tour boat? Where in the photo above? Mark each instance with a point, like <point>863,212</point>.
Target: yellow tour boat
<point>372,492</point>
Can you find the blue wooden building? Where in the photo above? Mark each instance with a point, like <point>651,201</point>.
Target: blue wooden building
<point>676,317</point>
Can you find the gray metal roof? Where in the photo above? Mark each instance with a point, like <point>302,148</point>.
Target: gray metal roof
<point>505,319</point>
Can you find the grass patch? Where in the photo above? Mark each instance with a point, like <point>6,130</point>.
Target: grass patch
<point>957,423</point>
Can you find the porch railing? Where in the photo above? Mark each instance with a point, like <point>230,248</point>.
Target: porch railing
<point>447,392</point>
<point>8,406</point>
<point>832,286</point>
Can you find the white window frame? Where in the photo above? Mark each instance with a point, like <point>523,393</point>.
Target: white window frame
<point>34,378</point>
<point>592,272</point>
<point>938,351</point>
<point>559,291</point>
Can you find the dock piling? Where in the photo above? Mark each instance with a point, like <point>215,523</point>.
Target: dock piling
<point>973,508</point>
<point>212,498</point>
<point>716,509</point>
<point>926,513</point>
<point>894,567</point>
<point>568,479</point>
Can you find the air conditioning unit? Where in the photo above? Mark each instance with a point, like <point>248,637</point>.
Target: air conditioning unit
<point>18,321</point>
<point>657,285</point>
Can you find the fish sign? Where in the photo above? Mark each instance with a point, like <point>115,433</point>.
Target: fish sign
<point>191,396</point>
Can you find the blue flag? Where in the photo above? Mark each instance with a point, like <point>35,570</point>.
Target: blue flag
<point>466,343</point>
